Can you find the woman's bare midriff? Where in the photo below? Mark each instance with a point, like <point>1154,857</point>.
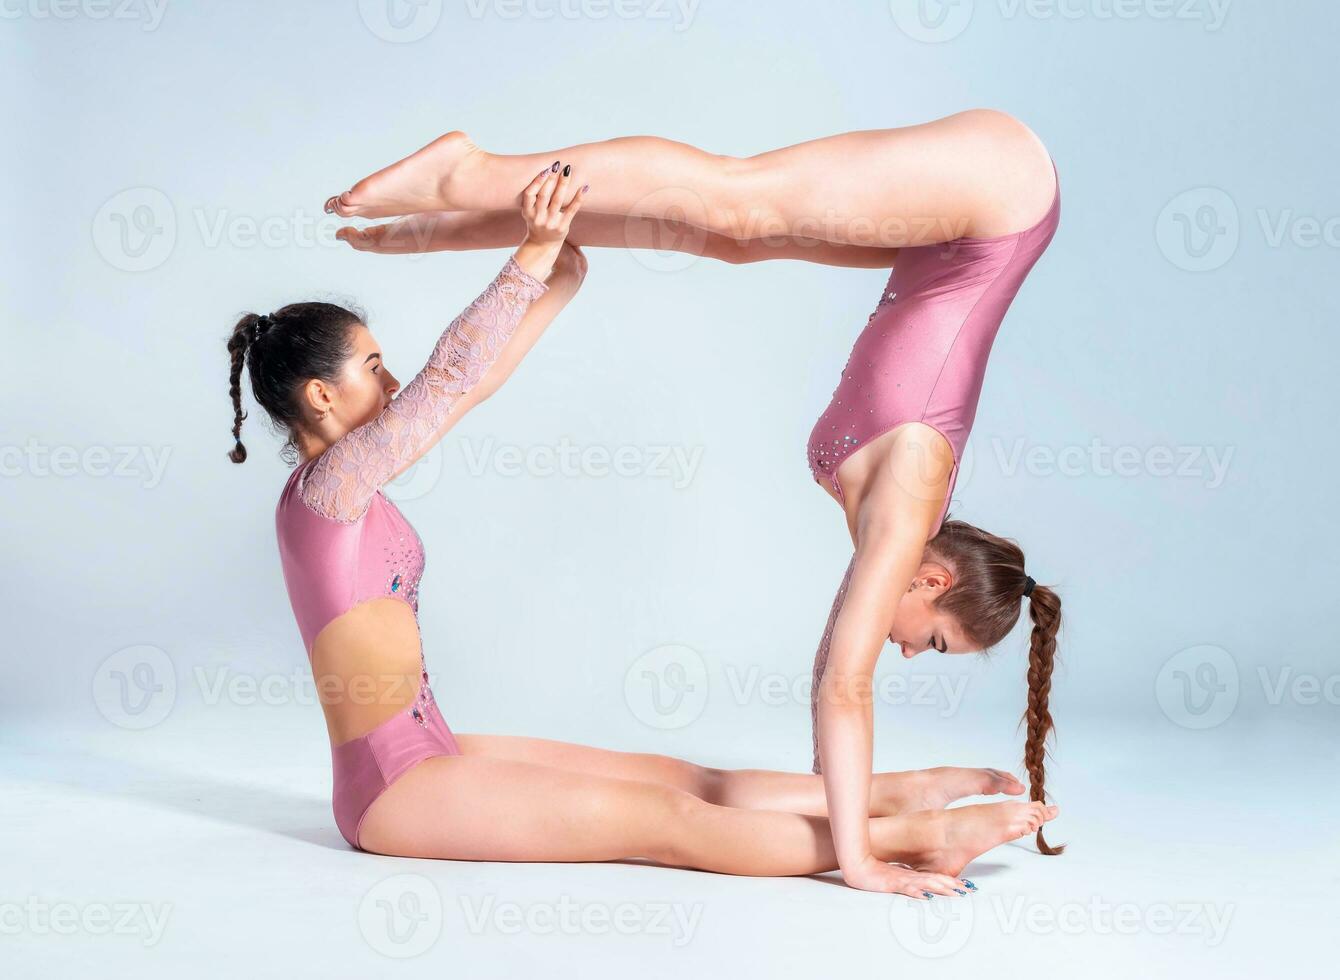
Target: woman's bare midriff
<point>367,665</point>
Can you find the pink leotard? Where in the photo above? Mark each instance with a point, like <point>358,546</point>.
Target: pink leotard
<point>922,357</point>
<point>342,542</point>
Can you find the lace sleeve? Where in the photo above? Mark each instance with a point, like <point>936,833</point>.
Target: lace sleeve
<point>821,661</point>
<point>343,479</point>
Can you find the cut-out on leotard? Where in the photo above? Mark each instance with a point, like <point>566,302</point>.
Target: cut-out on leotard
<point>342,542</point>
<point>922,358</point>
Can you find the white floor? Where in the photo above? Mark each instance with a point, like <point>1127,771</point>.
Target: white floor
<point>206,847</point>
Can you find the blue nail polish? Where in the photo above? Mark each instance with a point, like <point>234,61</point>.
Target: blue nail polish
<point>968,883</point>
<point>960,891</point>
<point>928,894</point>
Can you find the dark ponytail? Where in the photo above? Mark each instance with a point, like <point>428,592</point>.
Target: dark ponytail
<point>282,351</point>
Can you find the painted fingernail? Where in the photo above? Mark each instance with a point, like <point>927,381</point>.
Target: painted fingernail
<point>959,891</point>
<point>585,188</point>
<point>928,894</point>
<point>968,883</point>
<point>554,168</point>
<point>567,170</point>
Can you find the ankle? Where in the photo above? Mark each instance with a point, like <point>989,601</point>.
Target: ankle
<point>456,186</point>
<point>914,838</point>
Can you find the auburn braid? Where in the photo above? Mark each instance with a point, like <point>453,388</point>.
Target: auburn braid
<point>1045,611</point>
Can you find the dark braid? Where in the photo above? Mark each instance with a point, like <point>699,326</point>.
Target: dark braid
<point>237,352</point>
<point>1044,608</point>
<point>282,351</point>
<point>986,601</point>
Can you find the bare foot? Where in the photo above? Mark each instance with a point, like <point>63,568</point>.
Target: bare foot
<point>944,841</point>
<point>418,233</point>
<point>420,182</point>
<point>934,789</point>
<point>973,830</point>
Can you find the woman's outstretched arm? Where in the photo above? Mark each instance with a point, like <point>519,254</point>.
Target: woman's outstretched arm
<point>344,478</point>
<point>893,525</point>
<point>562,285</point>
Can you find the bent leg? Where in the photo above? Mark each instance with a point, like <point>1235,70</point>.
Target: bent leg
<point>978,173</point>
<point>752,789</point>
<point>461,231</point>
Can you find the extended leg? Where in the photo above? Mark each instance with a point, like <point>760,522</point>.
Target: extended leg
<point>979,173</point>
<point>475,808</point>
<point>754,789</point>
<point>461,231</point>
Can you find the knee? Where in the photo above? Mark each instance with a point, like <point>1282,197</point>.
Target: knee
<point>1001,128</point>
<point>677,842</point>
<point>994,121</point>
<point>687,776</point>
<point>1005,136</point>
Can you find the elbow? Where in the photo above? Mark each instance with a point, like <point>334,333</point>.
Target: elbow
<point>570,267</point>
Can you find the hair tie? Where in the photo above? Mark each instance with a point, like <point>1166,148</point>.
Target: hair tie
<point>263,323</point>
<point>1028,585</point>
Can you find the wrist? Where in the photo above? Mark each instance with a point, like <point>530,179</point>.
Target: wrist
<point>537,258</point>
<point>860,870</point>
